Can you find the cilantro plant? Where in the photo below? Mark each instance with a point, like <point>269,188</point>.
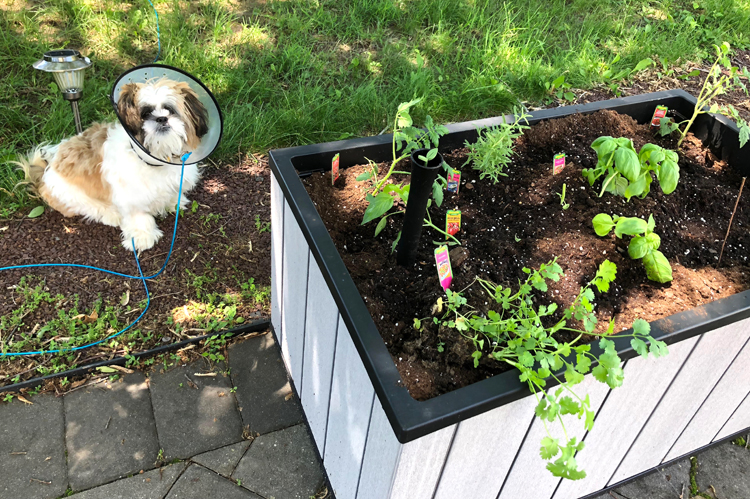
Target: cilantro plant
<point>722,77</point>
<point>645,243</point>
<point>521,333</point>
<point>491,153</point>
<point>406,139</point>
<point>628,173</point>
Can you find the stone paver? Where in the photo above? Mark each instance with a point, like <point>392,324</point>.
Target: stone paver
<point>224,460</point>
<point>263,390</point>
<point>282,464</point>
<point>109,432</point>
<point>192,420</point>
<point>726,468</point>
<point>32,449</point>
<point>152,484</point>
<point>199,483</point>
<point>667,483</point>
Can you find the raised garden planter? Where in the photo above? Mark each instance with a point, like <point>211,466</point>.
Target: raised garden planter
<point>482,441</point>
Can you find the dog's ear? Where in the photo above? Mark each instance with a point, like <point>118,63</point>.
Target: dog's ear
<point>128,109</point>
<point>195,110</point>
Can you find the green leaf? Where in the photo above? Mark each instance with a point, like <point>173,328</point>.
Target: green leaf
<point>572,376</point>
<point>669,175</point>
<point>641,327</point>
<point>395,242</point>
<point>583,363</point>
<point>602,224</point>
<point>569,96</point>
<point>638,187</point>
<point>640,347</point>
<point>643,64</point>
<point>364,176</point>
<point>638,247</point>
<point>589,425</point>
<point>657,266</point>
<point>631,226</point>
<point>653,241</point>
<point>381,226</point>
<point>550,448</point>
<point>597,145</point>
<point>626,162</point>
<point>431,154</point>
<point>437,193</point>
<point>605,275</point>
<point>568,405</point>
<point>36,212</point>
<point>378,206</point>
<point>658,348</point>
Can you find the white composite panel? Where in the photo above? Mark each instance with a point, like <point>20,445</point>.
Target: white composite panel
<point>718,407</point>
<point>382,452</point>
<point>277,245</point>
<point>348,418</point>
<point>483,447</point>
<point>712,355</point>
<point>320,343</point>
<point>622,416</point>
<point>529,467</point>
<point>294,295</point>
<point>739,421</point>
<point>420,463</point>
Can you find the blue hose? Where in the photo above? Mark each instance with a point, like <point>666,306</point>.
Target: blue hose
<point>139,276</point>
<point>158,35</point>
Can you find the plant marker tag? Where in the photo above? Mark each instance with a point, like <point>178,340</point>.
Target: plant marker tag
<point>659,113</point>
<point>443,262</point>
<point>454,179</point>
<point>558,164</point>
<point>335,169</point>
<point>453,222</point>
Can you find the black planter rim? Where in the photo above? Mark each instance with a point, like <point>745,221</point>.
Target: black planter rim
<point>412,419</point>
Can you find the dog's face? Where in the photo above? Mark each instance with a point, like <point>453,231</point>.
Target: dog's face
<point>165,116</point>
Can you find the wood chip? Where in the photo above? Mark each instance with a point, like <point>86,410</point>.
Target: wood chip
<point>289,396</point>
<point>190,382</point>
<point>125,298</point>
<point>222,394</point>
<point>40,481</point>
<point>18,453</point>
<point>24,400</point>
<point>122,369</point>
<point>204,375</point>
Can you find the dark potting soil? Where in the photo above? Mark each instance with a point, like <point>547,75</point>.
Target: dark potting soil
<point>519,222</point>
<point>219,246</point>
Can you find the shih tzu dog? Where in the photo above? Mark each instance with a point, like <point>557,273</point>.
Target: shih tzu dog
<point>98,175</point>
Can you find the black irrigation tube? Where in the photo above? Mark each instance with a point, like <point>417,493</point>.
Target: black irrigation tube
<point>251,327</point>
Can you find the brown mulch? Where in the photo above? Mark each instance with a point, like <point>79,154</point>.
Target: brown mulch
<point>218,242</point>
<point>519,223</point>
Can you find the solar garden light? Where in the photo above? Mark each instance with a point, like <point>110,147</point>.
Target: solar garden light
<point>67,67</point>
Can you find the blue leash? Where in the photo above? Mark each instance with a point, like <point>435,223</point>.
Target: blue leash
<point>158,35</point>
<point>139,276</point>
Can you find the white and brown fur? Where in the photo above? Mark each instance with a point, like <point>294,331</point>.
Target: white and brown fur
<point>98,175</point>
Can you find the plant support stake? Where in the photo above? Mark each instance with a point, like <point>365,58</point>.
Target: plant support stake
<point>422,177</point>
<point>730,221</point>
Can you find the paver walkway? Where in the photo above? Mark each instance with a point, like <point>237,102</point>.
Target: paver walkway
<point>231,431</point>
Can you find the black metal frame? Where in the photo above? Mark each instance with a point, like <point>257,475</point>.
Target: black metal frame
<point>409,418</point>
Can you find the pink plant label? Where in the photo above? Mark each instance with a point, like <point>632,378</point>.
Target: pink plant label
<point>335,169</point>
<point>559,163</point>
<point>443,262</point>
<point>454,179</point>
<point>659,113</point>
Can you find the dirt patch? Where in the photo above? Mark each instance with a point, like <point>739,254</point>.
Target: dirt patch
<point>519,223</point>
<point>221,255</point>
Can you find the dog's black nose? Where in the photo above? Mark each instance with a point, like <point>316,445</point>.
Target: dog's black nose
<point>161,119</point>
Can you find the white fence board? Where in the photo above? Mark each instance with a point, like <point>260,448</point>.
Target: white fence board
<point>529,467</point>
<point>739,421</point>
<point>382,452</point>
<point>277,246</point>
<point>322,320</point>
<point>349,417</point>
<point>294,297</point>
<point>718,407</point>
<point>712,355</point>
<point>420,464</point>
<point>483,447</point>
<point>622,416</point>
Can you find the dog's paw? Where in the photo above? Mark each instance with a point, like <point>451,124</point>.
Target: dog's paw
<point>142,239</point>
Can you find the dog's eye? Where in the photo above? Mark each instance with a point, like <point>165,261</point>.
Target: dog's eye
<point>146,112</point>
<point>170,109</point>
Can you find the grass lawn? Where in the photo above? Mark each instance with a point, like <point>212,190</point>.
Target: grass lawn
<point>296,72</point>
